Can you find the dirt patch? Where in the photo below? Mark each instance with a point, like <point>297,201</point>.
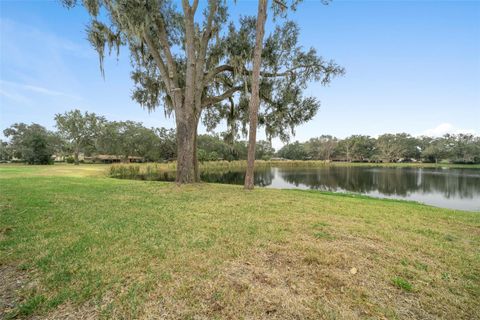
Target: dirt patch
<point>71,312</point>
<point>13,281</point>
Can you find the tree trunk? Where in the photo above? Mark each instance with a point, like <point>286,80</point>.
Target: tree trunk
<point>186,131</point>
<point>196,170</point>
<point>77,162</point>
<point>254,99</point>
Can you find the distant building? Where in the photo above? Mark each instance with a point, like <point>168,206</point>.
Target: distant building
<point>63,157</point>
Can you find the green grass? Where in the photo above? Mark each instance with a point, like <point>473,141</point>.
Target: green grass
<point>73,242</point>
<point>402,284</point>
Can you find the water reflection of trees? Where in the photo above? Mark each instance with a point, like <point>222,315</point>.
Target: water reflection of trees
<point>388,181</point>
<point>459,183</point>
<point>263,177</point>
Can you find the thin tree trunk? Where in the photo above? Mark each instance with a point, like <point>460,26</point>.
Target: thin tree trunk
<point>254,99</point>
<point>195,152</point>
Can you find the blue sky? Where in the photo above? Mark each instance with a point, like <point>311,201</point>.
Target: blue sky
<point>412,66</point>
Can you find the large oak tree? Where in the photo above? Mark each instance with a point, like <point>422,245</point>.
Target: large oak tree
<point>196,65</point>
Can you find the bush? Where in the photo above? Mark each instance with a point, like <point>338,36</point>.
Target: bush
<point>70,160</point>
<point>17,161</point>
<point>151,172</point>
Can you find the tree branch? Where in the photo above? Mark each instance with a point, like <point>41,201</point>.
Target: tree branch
<point>216,71</point>
<point>194,6</point>
<point>158,59</point>
<point>189,96</point>
<point>201,54</point>
<point>208,28</point>
<point>172,69</point>
<point>213,100</point>
<point>226,67</point>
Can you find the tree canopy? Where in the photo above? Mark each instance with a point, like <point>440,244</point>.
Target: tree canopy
<point>457,148</point>
<point>80,130</point>
<point>32,143</point>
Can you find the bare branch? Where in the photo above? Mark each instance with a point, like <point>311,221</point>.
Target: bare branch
<point>194,6</point>
<point>216,71</point>
<point>213,100</point>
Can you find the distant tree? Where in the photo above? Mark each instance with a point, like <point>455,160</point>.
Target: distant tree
<point>61,147</point>
<point>214,144</point>
<point>109,139</point>
<point>129,138</point>
<point>6,152</point>
<point>392,147</point>
<point>357,148</point>
<point>203,155</point>
<point>463,147</point>
<point>167,148</point>
<point>433,149</point>
<point>32,143</point>
<point>80,130</point>
<point>321,148</point>
<point>293,151</point>
<point>241,149</point>
<point>476,149</point>
<point>264,150</point>
<point>136,140</point>
<point>343,149</point>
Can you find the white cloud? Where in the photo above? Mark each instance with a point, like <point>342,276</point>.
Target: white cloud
<point>15,86</point>
<point>445,128</point>
<point>22,93</point>
<point>14,96</point>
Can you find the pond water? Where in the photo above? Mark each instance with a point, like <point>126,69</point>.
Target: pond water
<point>441,187</point>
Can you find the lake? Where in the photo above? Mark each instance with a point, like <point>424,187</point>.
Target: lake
<point>440,187</point>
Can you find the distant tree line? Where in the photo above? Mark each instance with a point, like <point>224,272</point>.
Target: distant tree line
<point>92,135</point>
<point>456,148</point>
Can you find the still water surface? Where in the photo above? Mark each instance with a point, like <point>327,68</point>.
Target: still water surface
<point>447,188</point>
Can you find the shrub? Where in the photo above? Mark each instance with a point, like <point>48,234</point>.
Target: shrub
<point>152,172</point>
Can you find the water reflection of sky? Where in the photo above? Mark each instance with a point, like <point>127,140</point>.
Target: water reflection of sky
<point>447,188</point>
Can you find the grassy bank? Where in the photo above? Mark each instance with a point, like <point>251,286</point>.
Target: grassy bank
<point>241,164</point>
<point>74,243</point>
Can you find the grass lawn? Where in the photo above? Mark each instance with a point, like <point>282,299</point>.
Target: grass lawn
<point>75,244</point>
